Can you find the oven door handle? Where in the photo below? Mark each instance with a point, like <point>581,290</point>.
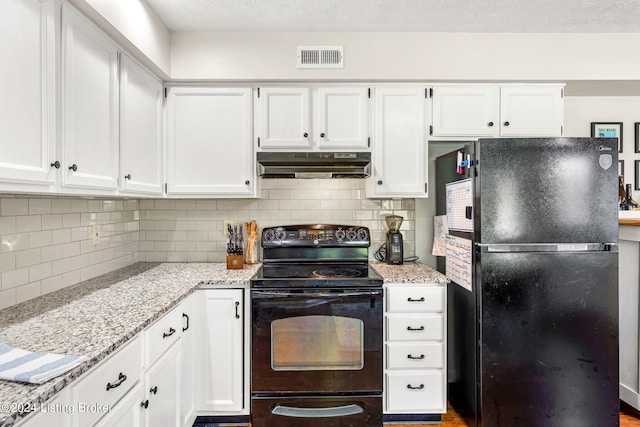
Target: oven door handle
<point>336,411</point>
<point>313,294</point>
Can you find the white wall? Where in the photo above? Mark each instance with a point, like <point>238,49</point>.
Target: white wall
<point>580,111</point>
<point>401,56</point>
<point>136,26</point>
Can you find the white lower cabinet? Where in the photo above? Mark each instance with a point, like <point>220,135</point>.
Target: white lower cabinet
<point>161,405</point>
<point>128,412</point>
<point>53,413</point>
<point>190,316</point>
<point>220,358</point>
<point>415,349</point>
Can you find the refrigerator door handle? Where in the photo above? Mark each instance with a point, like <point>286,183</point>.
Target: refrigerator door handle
<point>547,247</point>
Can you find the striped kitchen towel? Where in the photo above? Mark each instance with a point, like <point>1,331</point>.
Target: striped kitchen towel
<point>34,367</point>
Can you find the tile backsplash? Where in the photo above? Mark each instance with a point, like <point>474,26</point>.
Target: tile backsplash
<point>192,230</point>
<point>46,242</point>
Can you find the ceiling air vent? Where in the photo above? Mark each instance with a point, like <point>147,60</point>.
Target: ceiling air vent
<point>320,57</point>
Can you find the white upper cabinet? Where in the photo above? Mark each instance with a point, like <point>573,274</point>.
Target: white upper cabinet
<point>342,118</point>
<point>485,111</point>
<point>466,110</point>
<point>302,118</point>
<point>27,84</point>
<point>140,129</point>
<point>531,110</point>
<point>90,105</point>
<point>399,143</point>
<point>209,149</point>
<point>284,118</point>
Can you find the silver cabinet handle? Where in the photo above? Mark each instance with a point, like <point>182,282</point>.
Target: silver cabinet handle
<point>336,411</point>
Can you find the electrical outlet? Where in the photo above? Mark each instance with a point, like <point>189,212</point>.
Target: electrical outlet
<point>96,234</point>
<point>225,224</point>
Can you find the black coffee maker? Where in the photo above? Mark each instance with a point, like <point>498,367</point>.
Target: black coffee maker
<point>394,239</point>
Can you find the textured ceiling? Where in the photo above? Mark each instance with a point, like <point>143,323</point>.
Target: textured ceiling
<point>519,16</point>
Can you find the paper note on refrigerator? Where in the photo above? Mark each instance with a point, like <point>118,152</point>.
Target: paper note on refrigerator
<point>439,235</point>
<point>459,266</point>
<point>459,196</point>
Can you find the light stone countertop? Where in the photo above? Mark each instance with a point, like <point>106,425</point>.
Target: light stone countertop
<point>96,317</point>
<point>409,273</point>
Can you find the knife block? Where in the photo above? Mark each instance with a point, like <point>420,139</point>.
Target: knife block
<point>235,262</point>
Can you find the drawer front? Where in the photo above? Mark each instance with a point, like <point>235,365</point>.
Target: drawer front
<point>426,355</point>
<point>415,327</point>
<point>107,383</point>
<point>415,392</point>
<point>161,335</point>
<point>415,299</point>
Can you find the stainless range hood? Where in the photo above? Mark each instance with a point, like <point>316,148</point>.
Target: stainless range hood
<point>314,164</point>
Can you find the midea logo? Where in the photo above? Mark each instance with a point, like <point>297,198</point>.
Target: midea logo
<point>603,148</point>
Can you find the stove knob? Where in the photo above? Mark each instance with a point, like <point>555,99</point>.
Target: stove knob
<point>280,234</point>
<point>351,234</point>
<point>340,234</point>
<point>362,234</point>
<point>269,235</point>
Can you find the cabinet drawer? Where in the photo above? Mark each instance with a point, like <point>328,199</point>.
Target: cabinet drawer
<point>161,335</point>
<point>415,356</point>
<point>415,299</point>
<point>415,327</point>
<point>107,383</point>
<point>415,392</point>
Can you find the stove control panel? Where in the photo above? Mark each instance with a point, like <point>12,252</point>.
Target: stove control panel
<point>315,235</point>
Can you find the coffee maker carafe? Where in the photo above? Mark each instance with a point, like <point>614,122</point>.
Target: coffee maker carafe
<point>394,239</point>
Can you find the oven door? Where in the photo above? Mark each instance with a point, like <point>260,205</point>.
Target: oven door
<point>316,341</point>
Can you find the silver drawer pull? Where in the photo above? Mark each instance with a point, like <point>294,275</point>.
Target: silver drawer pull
<point>409,356</point>
<point>410,387</point>
<point>415,300</point>
<point>409,328</point>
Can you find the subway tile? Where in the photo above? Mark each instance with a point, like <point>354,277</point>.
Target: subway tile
<point>267,205</point>
<point>39,206</point>
<point>205,225</point>
<point>165,204</point>
<point>195,215</point>
<point>165,246</point>
<point>28,223</point>
<point>205,246</point>
<point>156,257</point>
<point>259,215</point>
<point>177,257</point>
<point>289,204</point>
<point>249,204</point>
<point>156,235</point>
<point>330,204</point>
<point>185,247</point>
<point>108,205</point>
<point>14,278</point>
<point>51,222</point>
<point>11,207</point>
<point>279,194</point>
<point>267,184</point>
<point>186,204</point>
<point>206,205</point>
<point>61,236</point>
<point>198,236</point>
<point>70,249</point>
<point>14,242</point>
<point>363,215</point>
<point>119,204</point>
<point>131,205</point>
<point>79,205</point>
<point>51,253</point>
<point>40,271</point>
<point>176,215</point>
<point>146,204</point>
<point>70,278</point>
<point>227,204</point>
<point>84,233</point>
<point>197,257</point>
<point>341,194</point>
<point>27,292</point>
<point>115,216</point>
<point>7,225</point>
<point>94,205</point>
<point>7,262</point>
<point>60,205</point>
<point>7,298</point>
<point>216,257</point>
<point>185,225</point>
<point>28,258</point>
<point>71,220</point>
<point>175,236</point>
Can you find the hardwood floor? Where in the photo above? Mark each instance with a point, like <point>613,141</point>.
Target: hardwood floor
<point>629,417</point>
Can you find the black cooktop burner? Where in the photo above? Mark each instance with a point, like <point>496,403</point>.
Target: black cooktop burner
<point>316,275</point>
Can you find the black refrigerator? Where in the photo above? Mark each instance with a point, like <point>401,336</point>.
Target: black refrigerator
<point>533,336</point>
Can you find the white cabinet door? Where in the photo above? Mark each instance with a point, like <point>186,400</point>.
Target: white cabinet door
<point>90,105</point>
<point>531,110</point>
<point>284,118</point>
<point>399,143</point>
<point>140,129</point>
<point>209,150</point>
<point>220,356</point>
<point>161,406</point>
<point>341,118</point>
<point>127,412</point>
<point>27,84</point>
<point>466,110</point>
<point>188,373</point>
